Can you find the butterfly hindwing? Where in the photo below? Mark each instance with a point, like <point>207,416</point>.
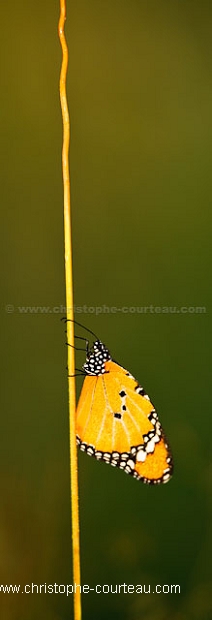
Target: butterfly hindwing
<point>117,423</point>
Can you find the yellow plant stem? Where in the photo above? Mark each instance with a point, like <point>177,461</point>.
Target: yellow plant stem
<point>70,315</point>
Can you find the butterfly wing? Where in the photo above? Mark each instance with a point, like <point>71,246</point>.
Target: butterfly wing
<point>117,423</point>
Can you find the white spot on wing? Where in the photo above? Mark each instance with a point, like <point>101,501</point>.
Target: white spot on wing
<point>150,446</point>
<point>131,463</point>
<point>141,456</point>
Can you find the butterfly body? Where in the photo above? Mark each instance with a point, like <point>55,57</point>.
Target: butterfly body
<point>117,423</point>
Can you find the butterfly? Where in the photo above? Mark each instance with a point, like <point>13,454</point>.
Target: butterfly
<point>116,421</point>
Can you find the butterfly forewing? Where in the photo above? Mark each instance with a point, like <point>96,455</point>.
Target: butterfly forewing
<point>116,422</point>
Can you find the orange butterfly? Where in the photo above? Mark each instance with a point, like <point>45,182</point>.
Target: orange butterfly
<point>116,422</point>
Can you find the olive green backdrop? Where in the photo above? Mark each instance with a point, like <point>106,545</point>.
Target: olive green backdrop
<point>140,92</point>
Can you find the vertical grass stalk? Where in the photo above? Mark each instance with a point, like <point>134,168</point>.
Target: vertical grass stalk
<point>70,315</point>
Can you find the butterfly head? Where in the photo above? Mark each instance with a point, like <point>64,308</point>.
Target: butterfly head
<point>96,357</point>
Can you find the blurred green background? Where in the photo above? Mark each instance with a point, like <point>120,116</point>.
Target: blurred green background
<point>140,92</point>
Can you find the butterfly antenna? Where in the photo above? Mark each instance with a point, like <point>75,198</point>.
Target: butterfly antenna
<point>80,325</point>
